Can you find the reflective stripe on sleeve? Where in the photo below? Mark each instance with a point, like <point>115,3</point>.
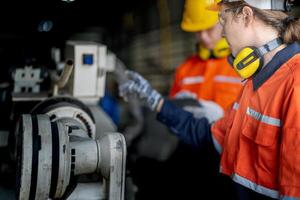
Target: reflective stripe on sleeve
<point>263,118</point>
<point>217,146</point>
<point>288,198</point>
<point>193,80</point>
<point>255,187</point>
<point>228,79</point>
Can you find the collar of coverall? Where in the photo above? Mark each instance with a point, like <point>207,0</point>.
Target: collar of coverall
<point>278,5</point>
<point>278,60</point>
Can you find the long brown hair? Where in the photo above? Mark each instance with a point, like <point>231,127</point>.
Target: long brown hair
<point>288,27</point>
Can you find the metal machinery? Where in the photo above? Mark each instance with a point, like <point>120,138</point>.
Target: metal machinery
<point>65,146</point>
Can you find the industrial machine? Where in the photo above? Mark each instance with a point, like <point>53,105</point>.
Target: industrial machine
<point>62,143</point>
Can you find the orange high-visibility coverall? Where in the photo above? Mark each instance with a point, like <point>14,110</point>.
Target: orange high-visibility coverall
<point>212,79</point>
<point>259,138</point>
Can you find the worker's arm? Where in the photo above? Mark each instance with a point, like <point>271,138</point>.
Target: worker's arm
<point>195,132</point>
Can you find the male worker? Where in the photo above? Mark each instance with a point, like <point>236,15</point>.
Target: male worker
<point>207,74</point>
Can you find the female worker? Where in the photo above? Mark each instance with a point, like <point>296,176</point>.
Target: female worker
<point>259,137</point>
<point>206,74</point>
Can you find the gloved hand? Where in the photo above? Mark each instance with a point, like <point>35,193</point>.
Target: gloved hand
<point>208,109</point>
<point>136,85</point>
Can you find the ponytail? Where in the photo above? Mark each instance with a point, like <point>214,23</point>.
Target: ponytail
<point>292,30</point>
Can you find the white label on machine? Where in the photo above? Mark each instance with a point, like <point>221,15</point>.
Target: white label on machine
<point>85,74</point>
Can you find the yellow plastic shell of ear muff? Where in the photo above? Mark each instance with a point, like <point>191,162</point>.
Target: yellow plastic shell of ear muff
<point>221,50</point>
<point>250,65</point>
<point>204,53</point>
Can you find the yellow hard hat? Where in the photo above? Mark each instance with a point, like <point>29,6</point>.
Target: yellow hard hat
<point>197,17</point>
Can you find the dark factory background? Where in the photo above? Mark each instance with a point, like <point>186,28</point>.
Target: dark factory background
<point>146,36</point>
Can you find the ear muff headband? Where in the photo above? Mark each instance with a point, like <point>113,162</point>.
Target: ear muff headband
<point>250,59</point>
<point>221,50</point>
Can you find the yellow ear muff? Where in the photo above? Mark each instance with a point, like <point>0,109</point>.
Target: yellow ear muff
<point>246,63</point>
<point>221,50</point>
<point>203,52</point>
<point>250,59</point>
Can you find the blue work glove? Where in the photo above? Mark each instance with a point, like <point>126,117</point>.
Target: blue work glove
<point>136,85</point>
